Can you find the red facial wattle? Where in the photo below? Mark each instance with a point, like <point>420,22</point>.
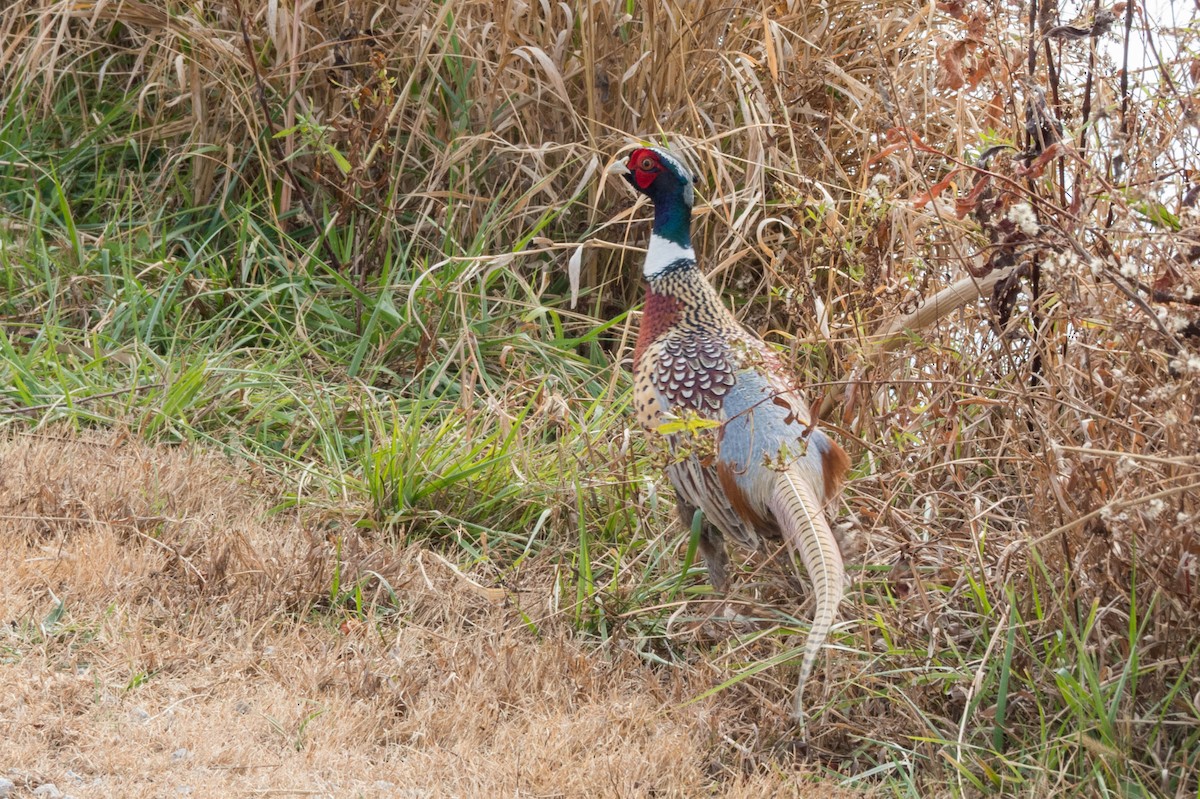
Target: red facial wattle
<point>644,166</point>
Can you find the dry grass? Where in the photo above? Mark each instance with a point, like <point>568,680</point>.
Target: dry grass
<point>167,630</point>
<point>1026,499</point>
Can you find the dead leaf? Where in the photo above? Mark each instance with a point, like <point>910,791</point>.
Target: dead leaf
<point>573,268</point>
<point>950,65</point>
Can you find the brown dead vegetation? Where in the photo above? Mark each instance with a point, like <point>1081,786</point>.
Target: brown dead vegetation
<point>185,640</point>
<point>1024,468</point>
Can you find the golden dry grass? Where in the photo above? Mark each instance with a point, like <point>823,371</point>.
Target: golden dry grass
<point>192,651</point>
<point>1023,519</point>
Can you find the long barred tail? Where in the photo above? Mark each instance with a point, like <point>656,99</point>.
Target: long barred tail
<point>798,509</point>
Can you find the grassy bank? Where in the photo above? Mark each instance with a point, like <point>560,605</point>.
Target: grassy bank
<point>293,352</point>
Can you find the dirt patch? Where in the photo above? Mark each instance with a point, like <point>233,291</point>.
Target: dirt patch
<point>166,634</point>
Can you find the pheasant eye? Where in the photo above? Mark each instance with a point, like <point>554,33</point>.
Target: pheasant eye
<point>647,164</point>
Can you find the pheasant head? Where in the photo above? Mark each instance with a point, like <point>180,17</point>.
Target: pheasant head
<point>666,181</point>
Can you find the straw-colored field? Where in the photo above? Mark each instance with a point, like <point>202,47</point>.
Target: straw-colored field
<point>159,646</point>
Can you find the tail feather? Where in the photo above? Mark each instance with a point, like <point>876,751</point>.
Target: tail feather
<point>798,510</point>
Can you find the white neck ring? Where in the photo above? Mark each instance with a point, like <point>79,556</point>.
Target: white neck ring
<point>662,254</point>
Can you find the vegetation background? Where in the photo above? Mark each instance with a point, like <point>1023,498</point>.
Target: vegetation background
<point>317,475</point>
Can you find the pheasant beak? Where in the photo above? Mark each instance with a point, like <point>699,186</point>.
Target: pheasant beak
<point>618,168</point>
<point>621,168</point>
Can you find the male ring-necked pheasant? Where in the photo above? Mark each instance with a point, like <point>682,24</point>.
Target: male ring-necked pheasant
<point>759,468</point>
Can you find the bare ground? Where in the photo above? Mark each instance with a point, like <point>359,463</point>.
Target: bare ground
<point>165,633</point>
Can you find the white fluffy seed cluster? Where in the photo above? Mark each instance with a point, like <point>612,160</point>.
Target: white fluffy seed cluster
<point>1187,363</point>
<point>880,183</point>
<point>1153,509</point>
<point>1173,322</point>
<point>1022,215</point>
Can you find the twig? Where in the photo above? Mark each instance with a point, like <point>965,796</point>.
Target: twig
<point>76,400</point>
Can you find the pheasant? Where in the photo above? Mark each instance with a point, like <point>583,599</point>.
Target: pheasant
<point>746,449</point>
